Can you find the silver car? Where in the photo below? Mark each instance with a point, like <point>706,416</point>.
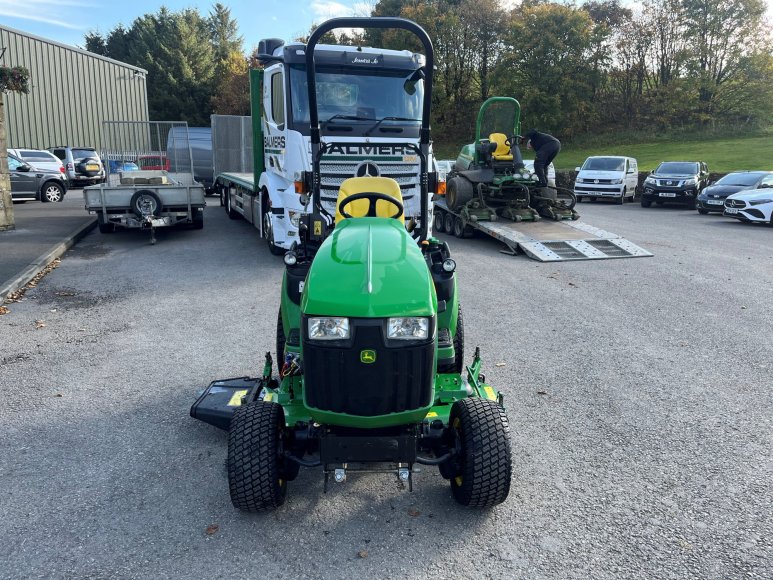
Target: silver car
<point>39,159</point>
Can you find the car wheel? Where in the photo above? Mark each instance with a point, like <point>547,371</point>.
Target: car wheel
<point>691,203</point>
<point>52,192</point>
<point>621,200</point>
<point>593,199</point>
<point>646,202</point>
<point>702,211</point>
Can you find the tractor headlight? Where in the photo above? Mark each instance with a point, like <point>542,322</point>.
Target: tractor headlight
<point>449,265</point>
<point>290,259</point>
<point>328,328</point>
<point>408,328</point>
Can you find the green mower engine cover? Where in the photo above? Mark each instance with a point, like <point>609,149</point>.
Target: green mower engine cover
<point>369,327</point>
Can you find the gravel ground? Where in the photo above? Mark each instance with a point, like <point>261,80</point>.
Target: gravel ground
<point>648,455</point>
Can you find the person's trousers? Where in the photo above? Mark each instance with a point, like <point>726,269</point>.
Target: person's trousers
<point>544,157</point>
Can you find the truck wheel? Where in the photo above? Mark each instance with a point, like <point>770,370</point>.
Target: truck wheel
<point>221,192</point>
<point>460,229</point>
<point>268,231</point>
<point>52,192</point>
<point>438,221</point>
<point>458,365</point>
<point>483,463</point>
<point>234,215</point>
<point>145,199</point>
<point>459,192</point>
<point>105,226</point>
<point>448,223</point>
<point>256,478</point>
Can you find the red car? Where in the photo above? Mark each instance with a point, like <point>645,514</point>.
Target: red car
<point>157,162</point>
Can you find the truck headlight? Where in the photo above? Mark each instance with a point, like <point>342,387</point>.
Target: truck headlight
<point>408,328</point>
<point>295,217</point>
<point>328,328</point>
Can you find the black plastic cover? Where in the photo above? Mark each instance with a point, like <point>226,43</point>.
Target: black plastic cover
<point>220,399</point>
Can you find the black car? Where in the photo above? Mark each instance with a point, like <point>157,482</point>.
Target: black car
<point>28,183</point>
<point>675,182</point>
<point>713,197</point>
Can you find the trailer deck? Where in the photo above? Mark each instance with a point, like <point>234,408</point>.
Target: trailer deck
<point>551,241</point>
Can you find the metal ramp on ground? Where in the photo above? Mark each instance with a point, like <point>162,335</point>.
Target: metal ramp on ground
<point>548,241</point>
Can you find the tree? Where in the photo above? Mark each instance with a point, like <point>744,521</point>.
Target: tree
<point>12,79</point>
<point>226,44</point>
<point>232,96</point>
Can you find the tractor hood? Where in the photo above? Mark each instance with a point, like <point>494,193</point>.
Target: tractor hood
<point>369,268</point>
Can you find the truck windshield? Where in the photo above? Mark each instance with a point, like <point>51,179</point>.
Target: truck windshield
<point>677,168</point>
<point>604,164</point>
<point>353,101</point>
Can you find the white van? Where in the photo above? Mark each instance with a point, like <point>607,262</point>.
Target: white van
<point>607,176</point>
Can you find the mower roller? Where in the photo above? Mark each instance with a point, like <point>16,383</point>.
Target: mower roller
<point>369,372</point>
<point>489,179</point>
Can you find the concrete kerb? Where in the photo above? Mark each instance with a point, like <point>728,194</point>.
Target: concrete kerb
<point>38,265</point>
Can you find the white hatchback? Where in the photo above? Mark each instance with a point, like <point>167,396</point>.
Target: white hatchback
<point>39,159</point>
<point>755,205</point>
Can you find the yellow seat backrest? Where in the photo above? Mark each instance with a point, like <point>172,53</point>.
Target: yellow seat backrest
<point>503,149</point>
<point>359,207</point>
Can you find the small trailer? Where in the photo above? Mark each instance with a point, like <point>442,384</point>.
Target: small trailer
<point>146,199</point>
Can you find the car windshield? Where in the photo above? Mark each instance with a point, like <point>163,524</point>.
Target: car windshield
<point>677,168</point>
<point>83,153</point>
<point>740,179</point>
<point>604,164</point>
<point>357,97</point>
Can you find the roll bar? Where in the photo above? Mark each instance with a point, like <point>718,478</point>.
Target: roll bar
<point>317,148</point>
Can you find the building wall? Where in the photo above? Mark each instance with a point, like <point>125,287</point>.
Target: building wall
<point>72,92</point>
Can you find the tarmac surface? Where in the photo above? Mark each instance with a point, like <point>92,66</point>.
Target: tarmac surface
<point>44,231</point>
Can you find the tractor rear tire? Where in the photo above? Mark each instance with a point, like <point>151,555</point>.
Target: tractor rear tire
<point>483,464</point>
<point>256,478</point>
<point>458,365</point>
<point>459,191</point>
<point>438,221</point>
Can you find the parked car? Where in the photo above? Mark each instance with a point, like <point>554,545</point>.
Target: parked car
<point>29,183</point>
<point>115,166</point>
<point>610,176</point>
<point>551,172</point>
<point>82,164</point>
<point>754,205</point>
<point>154,162</point>
<point>675,182</point>
<point>712,199</point>
<point>39,159</point>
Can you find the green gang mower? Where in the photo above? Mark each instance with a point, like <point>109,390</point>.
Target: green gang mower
<point>489,179</point>
<point>370,344</point>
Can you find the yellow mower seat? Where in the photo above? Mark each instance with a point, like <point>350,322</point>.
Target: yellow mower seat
<point>359,207</point>
<point>503,149</point>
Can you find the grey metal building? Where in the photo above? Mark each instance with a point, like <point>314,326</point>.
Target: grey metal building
<point>72,91</point>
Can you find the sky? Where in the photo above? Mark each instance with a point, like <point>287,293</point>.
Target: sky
<point>67,21</point>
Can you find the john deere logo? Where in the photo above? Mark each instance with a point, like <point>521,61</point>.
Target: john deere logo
<point>368,356</point>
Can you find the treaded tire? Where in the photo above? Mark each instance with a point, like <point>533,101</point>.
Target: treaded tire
<point>703,211</point>
<point>458,364</point>
<point>144,193</point>
<point>51,192</point>
<point>483,465</point>
<point>234,215</point>
<point>255,476</point>
<point>439,221</point>
<point>646,203</point>
<point>198,220</point>
<point>459,192</point>
<point>461,230</point>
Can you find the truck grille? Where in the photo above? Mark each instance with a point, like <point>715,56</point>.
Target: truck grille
<point>334,170</point>
<point>335,379</point>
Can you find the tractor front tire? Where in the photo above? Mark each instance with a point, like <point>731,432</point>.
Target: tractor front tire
<point>459,192</point>
<point>256,478</point>
<point>482,467</point>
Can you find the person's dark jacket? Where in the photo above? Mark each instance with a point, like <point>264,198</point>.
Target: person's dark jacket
<point>538,139</point>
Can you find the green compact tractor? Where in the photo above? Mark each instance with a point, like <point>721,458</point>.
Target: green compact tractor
<point>490,180</point>
<point>370,340</point>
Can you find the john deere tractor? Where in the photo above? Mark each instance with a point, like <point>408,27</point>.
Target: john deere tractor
<point>489,179</point>
<point>369,373</point>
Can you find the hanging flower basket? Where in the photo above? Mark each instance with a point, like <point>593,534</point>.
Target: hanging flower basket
<point>14,79</point>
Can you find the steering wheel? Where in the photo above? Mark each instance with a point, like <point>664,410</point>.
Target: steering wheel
<point>372,197</point>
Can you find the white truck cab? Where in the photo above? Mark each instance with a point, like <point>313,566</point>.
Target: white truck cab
<point>608,176</point>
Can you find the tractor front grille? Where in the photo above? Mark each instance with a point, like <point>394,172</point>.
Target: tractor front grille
<point>337,380</point>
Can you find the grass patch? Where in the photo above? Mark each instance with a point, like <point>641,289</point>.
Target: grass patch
<point>753,152</point>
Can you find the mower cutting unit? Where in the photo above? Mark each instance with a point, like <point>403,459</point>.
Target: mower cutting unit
<point>369,340</point>
<point>489,179</point>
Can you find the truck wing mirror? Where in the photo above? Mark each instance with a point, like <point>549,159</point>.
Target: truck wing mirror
<point>409,86</point>
<point>577,169</point>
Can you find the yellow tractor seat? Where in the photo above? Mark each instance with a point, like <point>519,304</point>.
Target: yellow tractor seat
<point>502,152</point>
<point>359,207</point>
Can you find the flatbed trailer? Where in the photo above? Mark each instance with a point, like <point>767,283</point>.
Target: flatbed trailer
<point>548,241</point>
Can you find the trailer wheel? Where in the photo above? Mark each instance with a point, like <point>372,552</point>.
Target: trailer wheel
<point>197,222</point>
<point>459,192</point>
<point>256,478</point>
<point>105,226</point>
<point>448,223</point>
<point>461,230</point>
<point>482,466</point>
<point>438,221</point>
<point>146,200</point>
